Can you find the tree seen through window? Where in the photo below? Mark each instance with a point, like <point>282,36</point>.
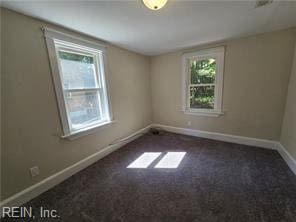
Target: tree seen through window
<point>202,83</point>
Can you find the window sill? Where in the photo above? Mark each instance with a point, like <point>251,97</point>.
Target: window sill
<point>203,113</point>
<point>87,130</point>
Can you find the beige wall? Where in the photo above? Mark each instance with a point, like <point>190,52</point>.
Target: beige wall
<point>31,126</point>
<point>256,77</point>
<point>288,137</point>
<point>257,71</point>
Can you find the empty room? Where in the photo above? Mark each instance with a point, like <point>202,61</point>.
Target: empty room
<point>148,110</point>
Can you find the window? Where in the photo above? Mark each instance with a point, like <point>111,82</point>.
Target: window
<point>203,82</point>
<point>80,82</point>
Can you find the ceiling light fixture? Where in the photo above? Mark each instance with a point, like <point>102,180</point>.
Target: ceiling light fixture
<point>154,4</point>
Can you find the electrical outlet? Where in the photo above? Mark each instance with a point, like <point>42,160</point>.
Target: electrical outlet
<point>34,171</point>
<point>188,123</point>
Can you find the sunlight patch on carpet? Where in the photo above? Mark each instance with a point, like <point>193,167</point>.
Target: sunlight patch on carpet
<point>144,160</point>
<point>171,160</point>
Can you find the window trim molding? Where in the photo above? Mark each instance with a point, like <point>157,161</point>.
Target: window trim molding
<point>54,34</point>
<point>50,36</point>
<point>218,54</point>
<point>87,130</point>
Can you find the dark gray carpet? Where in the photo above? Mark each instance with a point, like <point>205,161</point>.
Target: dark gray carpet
<point>215,182</point>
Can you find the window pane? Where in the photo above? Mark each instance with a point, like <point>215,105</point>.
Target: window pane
<point>83,108</point>
<point>203,71</point>
<point>202,97</point>
<point>78,71</point>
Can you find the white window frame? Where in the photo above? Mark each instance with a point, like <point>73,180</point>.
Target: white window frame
<point>218,55</point>
<point>55,40</point>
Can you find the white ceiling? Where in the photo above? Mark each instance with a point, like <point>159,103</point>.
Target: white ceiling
<point>180,24</point>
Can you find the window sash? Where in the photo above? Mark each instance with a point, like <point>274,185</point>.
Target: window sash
<point>200,58</point>
<point>104,111</point>
<point>200,85</point>
<point>97,61</point>
<point>189,84</point>
<point>89,124</point>
<point>98,82</point>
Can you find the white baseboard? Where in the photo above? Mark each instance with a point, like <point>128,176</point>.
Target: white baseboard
<point>270,144</point>
<point>44,185</point>
<point>287,157</point>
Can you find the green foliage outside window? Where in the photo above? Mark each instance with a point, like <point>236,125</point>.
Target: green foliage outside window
<point>202,72</point>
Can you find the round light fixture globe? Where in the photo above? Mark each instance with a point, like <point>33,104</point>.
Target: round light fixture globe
<point>154,4</point>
